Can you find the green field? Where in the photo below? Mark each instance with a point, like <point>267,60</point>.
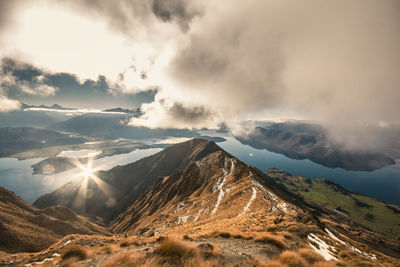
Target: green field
<point>374,214</point>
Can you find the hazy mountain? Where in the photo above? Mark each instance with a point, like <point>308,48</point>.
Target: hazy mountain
<point>123,185</point>
<point>19,139</point>
<point>27,228</point>
<point>309,141</point>
<point>136,112</point>
<point>113,126</point>
<point>54,106</point>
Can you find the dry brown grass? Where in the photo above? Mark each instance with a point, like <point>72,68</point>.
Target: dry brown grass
<point>260,263</point>
<point>124,244</point>
<point>74,252</point>
<point>174,248</point>
<point>292,259</point>
<point>126,259</point>
<point>325,264</point>
<point>310,255</point>
<point>271,239</point>
<point>198,261</point>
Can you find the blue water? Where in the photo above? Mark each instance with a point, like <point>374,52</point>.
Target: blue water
<point>383,184</point>
<point>16,175</point>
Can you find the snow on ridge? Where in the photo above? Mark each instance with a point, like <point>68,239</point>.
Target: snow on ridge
<point>182,220</point>
<point>323,249</point>
<point>253,196</point>
<point>331,235</point>
<point>198,215</point>
<point>219,185</point>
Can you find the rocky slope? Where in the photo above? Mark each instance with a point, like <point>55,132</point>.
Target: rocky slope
<point>27,228</point>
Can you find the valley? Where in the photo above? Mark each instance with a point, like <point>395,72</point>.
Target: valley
<point>202,204</point>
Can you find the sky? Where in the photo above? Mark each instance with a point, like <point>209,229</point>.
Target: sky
<point>200,63</point>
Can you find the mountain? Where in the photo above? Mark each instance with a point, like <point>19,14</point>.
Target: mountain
<point>372,213</point>
<point>18,139</point>
<point>136,112</point>
<point>309,141</point>
<point>113,126</point>
<point>27,228</point>
<point>54,106</point>
<point>197,190</point>
<point>123,185</point>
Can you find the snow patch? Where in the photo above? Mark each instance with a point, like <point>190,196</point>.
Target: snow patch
<point>323,249</point>
<point>196,218</point>
<point>159,230</point>
<point>43,261</point>
<point>219,184</point>
<point>182,220</point>
<point>331,235</point>
<point>180,207</point>
<point>253,196</point>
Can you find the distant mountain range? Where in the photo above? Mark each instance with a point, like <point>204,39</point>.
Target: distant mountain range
<point>310,141</point>
<point>112,126</point>
<point>19,139</point>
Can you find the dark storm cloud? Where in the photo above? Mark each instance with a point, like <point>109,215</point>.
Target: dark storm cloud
<point>192,114</point>
<point>128,16</point>
<point>176,10</point>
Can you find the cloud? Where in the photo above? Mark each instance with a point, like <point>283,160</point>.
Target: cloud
<point>215,61</point>
<point>162,111</point>
<point>180,11</point>
<point>28,83</point>
<point>334,62</point>
<point>17,78</point>
<point>7,104</point>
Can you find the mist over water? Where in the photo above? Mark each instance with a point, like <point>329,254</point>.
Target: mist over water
<point>16,175</point>
<point>383,184</point>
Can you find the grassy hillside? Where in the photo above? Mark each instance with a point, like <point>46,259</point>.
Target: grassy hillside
<point>377,215</point>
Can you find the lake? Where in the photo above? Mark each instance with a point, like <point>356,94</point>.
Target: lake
<point>382,184</point>
<point>16,175</point>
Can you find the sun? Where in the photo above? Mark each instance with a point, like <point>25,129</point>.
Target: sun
<point>87,172</point>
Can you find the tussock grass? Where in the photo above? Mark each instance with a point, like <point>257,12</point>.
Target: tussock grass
<point>221,234</point>
<point>174,248</point>
<point>260,263</point>
<point>310,255</point>
<point>127,259</point>
<point>292,259</point>
<point>74,252</point>
<point>124,244</point>
<point>271,239</point>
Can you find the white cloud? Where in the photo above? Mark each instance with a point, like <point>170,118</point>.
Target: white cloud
<point>7,104</point>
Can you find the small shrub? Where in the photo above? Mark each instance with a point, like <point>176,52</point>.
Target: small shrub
<point>74,252</point>
<point>259,263</point>
<point>271,239</point>
<point>222,234</point>
<point>292,259</point>
<point>124,259</point>
<point>310,255</point>
<point>124,244</point>
<point>186,237</point>
<point>325,264</point>
<point>173,248</point>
